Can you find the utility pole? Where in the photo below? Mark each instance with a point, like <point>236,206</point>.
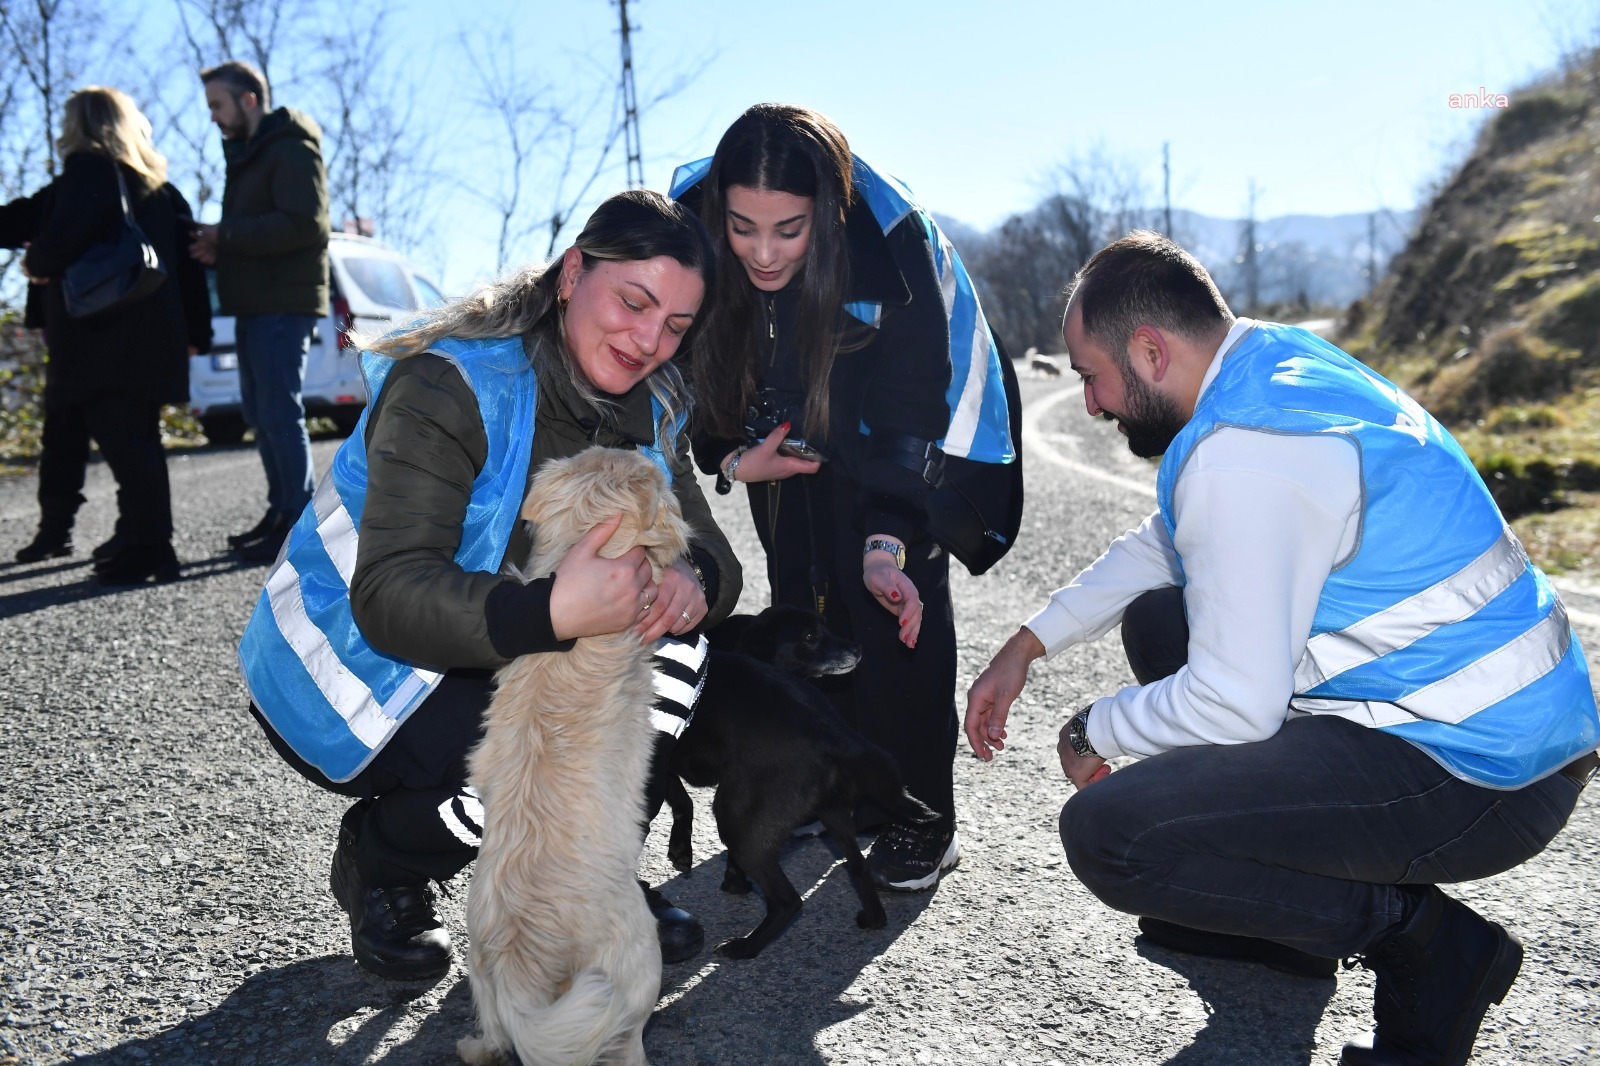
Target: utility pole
<point>1372,250</point>
<point>1166,185</point>
<point>630,104</point>
<point>1247,258</point>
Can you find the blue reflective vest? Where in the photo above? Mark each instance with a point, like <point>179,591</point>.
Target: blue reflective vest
<point>330,695</point>
<point>980,426</point>
<point>1436,628</point>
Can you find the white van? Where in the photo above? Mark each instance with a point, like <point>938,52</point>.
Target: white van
<point>371,285</point>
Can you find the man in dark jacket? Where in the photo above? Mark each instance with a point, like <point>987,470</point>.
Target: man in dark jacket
<point>271,255</point>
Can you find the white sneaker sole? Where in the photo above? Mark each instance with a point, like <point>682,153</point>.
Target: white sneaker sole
<point>947,862</point>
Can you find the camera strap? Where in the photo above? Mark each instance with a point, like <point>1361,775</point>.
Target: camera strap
<point>913,453</point>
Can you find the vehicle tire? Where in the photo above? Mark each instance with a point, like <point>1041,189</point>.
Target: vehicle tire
<point>223,429</point>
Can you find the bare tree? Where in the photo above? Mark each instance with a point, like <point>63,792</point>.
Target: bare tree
<point>1022,271</point>
<point>377,157</point>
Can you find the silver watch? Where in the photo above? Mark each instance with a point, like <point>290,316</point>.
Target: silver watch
<point>1078,734</point>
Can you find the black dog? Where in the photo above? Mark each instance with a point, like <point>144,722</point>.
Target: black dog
<point>780,756</point>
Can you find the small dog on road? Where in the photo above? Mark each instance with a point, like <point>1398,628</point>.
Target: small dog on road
<point>564,958</point>
<point>780,756</point>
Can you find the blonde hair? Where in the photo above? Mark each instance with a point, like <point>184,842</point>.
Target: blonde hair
<point>107,122</point>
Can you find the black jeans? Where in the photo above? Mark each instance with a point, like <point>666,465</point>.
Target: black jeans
<point>1302,838</point>
<point>415,819</point>
<point>128,431</point>
<point>900,698</point>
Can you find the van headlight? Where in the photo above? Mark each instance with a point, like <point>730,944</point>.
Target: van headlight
<point>225,362</point>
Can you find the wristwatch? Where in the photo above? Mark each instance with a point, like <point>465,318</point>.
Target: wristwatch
<point>725,478</point>
<point>894,549</point>
<point>1078,734</point>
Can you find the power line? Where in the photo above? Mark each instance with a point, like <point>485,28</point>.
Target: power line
<point>630,103</point>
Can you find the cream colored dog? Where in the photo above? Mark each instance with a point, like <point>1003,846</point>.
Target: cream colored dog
<point>564,957</point>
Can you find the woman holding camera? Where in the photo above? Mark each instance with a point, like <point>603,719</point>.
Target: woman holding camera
<point>827,366</point>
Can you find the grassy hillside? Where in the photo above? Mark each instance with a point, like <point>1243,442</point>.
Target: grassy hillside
<point>1491,315</point>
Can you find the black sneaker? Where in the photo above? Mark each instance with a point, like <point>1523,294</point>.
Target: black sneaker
<point>912,858</point>
<point>394,932</point>
<point>682,936</point>
<point>1269,953</point>
<point>1437,973</point>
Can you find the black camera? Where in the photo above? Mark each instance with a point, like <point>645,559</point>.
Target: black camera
<point>761,420</point>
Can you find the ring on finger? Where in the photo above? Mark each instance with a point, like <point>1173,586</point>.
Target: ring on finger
<point>686,618</point>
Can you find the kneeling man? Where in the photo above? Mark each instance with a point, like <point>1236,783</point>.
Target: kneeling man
<point>1353,685</point>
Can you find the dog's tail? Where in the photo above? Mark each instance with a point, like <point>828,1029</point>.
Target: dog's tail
<point>878,779</point>
<point>578,1027</point>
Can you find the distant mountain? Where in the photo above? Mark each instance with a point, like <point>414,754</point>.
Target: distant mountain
<point>1322,260</point>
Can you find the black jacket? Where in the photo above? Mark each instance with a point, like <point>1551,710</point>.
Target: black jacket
<point>138,351</point>
<point>895,383</point>
<point>272,243</point>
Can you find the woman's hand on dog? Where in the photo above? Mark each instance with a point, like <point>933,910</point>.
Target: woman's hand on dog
<point>593,595</point>
<point>891,587</point>
<point>680,607</point>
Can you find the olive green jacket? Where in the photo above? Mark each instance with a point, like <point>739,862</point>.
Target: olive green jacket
<point>272,243</point>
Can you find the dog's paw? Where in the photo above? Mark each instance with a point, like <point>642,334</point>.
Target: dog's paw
<point>681,860</point>
<point>738,948</point>
<point>738,884</point>
<point>871,919</point>
<point>477,1051</point>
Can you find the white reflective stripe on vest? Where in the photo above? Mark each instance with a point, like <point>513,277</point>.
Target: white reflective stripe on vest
<point>964,423</point>
<point>368,719</point>
<point>337,531</point>
<point>1446,602</point>
<point>1479,686</point>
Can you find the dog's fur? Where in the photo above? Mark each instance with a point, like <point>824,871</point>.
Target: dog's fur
<point>780,756</point>
<point>564,958</point>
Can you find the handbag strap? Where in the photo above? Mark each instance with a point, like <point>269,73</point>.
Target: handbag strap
<point>122,194</point>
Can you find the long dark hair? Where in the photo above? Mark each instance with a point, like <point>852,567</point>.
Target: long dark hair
<point>776,148</point>
<point>633,225</point>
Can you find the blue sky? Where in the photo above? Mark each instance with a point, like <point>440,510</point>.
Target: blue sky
<point>1327,107</point>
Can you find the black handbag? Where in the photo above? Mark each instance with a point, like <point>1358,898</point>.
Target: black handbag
<point>114,273</point>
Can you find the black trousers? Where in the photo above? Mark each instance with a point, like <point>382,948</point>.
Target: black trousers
<point>414,818</point>
<point>129,434</point>
<point>1303,838</point>
<point>902,699</point>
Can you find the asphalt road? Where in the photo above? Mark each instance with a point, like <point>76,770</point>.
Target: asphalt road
<point>163,877</point>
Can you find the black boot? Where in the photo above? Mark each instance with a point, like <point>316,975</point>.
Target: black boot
<point>136,564</point>
<point>236,540</point>
<point>54,538</point>
<point>1269,953</point>
<point>1437,973</point>
<point>394,932</point>
<point>264,549</point>
<point>109,549</point>
<point>680,932</point>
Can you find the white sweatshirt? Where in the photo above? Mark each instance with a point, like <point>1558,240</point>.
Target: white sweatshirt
<point>1262,519</point>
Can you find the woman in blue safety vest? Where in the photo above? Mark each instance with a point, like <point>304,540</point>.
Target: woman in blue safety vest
<point>372,650</point>
<point>845,336</point>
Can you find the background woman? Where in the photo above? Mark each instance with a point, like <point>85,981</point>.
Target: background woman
<point>830,321</point>
<point>373,647</point>
<point>109,374</point>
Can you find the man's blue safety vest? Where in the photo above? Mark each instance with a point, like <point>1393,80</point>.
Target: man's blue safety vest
<point>1436,628</point>
<point>334,698</point>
